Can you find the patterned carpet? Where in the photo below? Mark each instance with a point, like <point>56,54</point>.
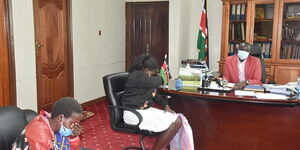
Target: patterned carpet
<point>98,135</point>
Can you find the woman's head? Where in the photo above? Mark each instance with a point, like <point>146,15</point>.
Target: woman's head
<point>145,63</point>
<point>66,111</point>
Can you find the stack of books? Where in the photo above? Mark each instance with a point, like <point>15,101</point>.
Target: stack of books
<point>256,88</point>
<point>290,51</point>
<point>237,31</point>
<point>190,80</point>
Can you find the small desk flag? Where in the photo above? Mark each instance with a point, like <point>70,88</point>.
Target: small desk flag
<point>164,71</point>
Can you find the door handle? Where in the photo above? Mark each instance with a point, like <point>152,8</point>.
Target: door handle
<point>37,45</point>
<point>147,49</point>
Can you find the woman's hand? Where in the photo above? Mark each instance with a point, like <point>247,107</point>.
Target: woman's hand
<point>168,109</point>
<point>77,129</point>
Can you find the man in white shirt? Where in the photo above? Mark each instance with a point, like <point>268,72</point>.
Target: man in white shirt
<point>241,68</point>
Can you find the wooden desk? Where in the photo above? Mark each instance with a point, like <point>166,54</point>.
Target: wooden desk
<point>223,121</point>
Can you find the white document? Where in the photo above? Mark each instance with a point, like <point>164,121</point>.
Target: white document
<point>269,96</point>
<point>290,85</point>
<point>231,85</point>
<point>244,93</point>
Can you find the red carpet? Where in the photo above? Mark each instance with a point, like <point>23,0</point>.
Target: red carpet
<point>98,135</point>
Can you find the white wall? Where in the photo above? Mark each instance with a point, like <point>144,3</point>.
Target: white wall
<point>177,38</point>
<point>144,0</point>
<point>94,55</point>
<point>179,35</point>
<point>195,14</point>
<point>24,53</point>
<point>214,14</point>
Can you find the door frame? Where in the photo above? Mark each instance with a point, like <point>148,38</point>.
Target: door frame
<point>8,24</point>
<point>69,47</point>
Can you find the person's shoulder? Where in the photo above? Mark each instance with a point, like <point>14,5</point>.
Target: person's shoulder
<point>253,59</point>
<point>38,127</point>
<point>136,74</point>
<point>230,58</point>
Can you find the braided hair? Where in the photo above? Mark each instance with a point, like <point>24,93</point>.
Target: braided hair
<point>144,61</point>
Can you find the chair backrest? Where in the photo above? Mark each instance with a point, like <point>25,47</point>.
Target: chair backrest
<point>12,121</point>
<point>114,85</point>
<point>256,51</point>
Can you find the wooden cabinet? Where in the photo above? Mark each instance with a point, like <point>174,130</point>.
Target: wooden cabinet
<point>272,24</point>
<point>269,73</point>
<point>284,74</point>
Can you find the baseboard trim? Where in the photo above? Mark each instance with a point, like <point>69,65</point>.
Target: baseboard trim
<point>91,102</point>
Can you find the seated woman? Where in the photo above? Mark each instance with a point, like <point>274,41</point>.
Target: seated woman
<point>58,130</point>
<point>140,94</point>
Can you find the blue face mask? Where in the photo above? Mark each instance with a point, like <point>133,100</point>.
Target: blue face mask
<point>242,55</point>
<point>64,131</point>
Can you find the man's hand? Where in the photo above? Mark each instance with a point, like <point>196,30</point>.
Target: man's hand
<point>76,128</point>
<point>168,109</point>
<point>240,85</point>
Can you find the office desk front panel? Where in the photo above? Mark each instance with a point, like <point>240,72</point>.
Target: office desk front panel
<point>222,121</point>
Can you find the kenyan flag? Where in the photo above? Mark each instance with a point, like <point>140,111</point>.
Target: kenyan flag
<point>202,41</point>
<point>164,71</point>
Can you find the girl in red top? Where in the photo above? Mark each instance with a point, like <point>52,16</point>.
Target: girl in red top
<point>58,130</point>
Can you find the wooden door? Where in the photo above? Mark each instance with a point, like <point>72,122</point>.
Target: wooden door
<point>53,51</point>
<point>7,73</point>
<point>147,30</point>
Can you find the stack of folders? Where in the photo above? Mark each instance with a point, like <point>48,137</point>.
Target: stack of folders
<point>278,89</point>
<point>238,12</point>
<point>256,88</point>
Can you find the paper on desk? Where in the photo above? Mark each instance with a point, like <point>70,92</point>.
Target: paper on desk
<point>163,86</point>
<point>290,85</point>
<point>244,93</point>
<point>231,85</point>
<point>269,96</point>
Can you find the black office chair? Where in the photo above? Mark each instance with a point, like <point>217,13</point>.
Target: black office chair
<point>256,51</point>
<point>12,122</point>
<point>114,87</point>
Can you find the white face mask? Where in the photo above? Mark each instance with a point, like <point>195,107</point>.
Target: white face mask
<point>242,55</point>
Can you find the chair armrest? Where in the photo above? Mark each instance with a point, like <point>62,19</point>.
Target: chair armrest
<point>131,110</point>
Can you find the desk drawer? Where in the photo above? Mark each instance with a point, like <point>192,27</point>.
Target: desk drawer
<point>269,70</point>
